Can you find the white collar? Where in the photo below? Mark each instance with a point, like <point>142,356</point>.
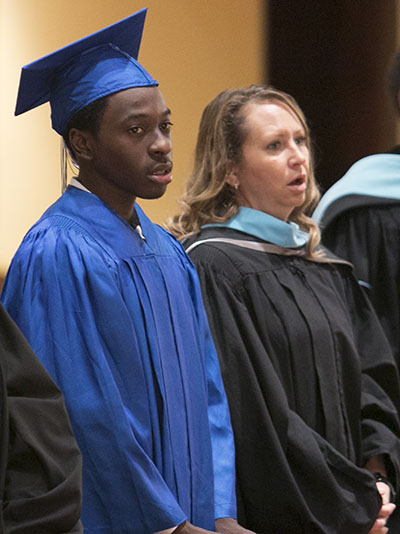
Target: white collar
<point>76,183</point>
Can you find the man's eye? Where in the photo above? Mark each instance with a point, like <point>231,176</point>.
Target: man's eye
<point>166,126</point>
<point>136,129</point>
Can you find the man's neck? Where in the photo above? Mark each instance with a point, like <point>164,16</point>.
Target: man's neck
<point>120,202</point>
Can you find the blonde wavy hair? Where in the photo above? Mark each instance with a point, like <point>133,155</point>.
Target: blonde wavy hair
<point>208,198</point>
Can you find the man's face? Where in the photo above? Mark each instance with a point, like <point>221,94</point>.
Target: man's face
<point>132,148</point>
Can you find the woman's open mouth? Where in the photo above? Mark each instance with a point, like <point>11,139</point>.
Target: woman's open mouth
<point>299,183</point>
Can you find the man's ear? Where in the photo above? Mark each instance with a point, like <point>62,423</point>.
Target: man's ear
<point>81,142</point>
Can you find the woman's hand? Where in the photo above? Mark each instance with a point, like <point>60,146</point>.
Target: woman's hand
<point>385,512</point>
<point>227,525</point>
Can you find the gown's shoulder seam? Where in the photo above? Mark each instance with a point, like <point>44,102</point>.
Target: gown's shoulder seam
<point>218,253</point>
<point>66,223</point>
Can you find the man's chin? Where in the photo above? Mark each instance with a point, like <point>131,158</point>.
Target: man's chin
<point>155,194</point>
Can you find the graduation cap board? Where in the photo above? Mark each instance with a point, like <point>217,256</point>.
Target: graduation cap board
<point>78,74</point>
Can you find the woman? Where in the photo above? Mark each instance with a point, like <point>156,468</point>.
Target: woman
<point>311,382</point>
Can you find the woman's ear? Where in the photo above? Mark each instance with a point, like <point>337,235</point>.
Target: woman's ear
<point>81,142</point>
<point>231,175</point>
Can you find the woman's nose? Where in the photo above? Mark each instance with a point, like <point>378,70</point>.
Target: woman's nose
<point>298,154</point>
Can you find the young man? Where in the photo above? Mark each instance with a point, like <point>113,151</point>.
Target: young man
<point>40,463</point>
<point>112,305</point>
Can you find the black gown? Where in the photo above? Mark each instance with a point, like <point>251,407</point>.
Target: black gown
<point>40,463</point>
<point>311,383</point>
<point>369,237</point>
<point>365,230</point>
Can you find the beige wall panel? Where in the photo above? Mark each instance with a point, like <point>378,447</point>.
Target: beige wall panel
<point>194,48</point>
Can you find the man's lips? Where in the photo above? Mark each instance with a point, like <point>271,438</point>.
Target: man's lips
<point>161,173</point>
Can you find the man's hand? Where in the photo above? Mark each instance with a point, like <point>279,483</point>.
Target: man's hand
<point>379,526</point>
<point>188,528</point>
<point>227,525</point>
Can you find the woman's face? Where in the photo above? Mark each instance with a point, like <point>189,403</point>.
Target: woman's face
<point>273,170</point>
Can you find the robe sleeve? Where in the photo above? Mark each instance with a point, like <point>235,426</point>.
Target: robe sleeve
<point>368,236</point>
<point>222,442</point>
<point>223,449</point>
<point>380,384</point>
<point>287,474</point>
<point>64,293</point>
<point>40,460</point>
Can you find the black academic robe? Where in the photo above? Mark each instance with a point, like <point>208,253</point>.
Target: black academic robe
<point>311,383</point>
<point>40,464</point>
<point>365,230</point>
<point>368,235</point>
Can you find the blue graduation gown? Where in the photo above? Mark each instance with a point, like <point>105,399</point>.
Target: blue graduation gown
<point>119,323</point>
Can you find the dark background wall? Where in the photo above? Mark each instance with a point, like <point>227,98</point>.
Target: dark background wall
<point>332,56</point>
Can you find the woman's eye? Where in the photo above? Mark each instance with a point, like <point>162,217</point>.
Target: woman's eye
<point>273,146</point>
<point>301,140</point>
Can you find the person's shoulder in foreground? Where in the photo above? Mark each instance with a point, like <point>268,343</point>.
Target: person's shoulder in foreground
<point>40,463</point>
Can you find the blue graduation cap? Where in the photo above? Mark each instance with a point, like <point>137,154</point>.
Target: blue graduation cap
<point>78,74</point>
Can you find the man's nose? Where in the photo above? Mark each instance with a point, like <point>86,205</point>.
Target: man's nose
<point>161,144</point>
